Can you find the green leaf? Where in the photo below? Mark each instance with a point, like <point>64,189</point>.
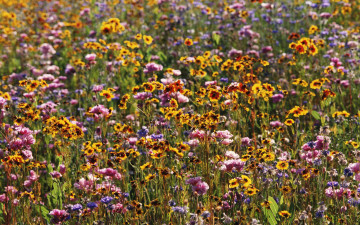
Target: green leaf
<point>273,205</point>
<point>216,38</point>
<point>55,196</point>
<point>316,115</point>
<point>162,56</point>
<point>45,213</point>
<point>271,213</point>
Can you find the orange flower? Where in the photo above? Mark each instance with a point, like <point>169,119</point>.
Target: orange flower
<point>188,42</point>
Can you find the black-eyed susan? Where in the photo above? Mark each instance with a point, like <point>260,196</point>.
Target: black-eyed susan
<point>266,204</point>
<point>150,177</point>
<point>245,181</point>
<point>146,166</point>
<point>214,95</point>
<point>251,191</point>
<point>148,39</point>
<point>282,165</point>
<point>173,103</point>
<point>313,29</point>
<point>286,189</point>
<point>107,94</point>
<point>289,122</point>
<point>149,87</point>
<point>233,183</point>
<point>268,156</point>
<point>284,214</point>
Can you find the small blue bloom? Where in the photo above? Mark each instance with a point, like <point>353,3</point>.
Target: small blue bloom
<point>91,205</point>
<point>77,207</point>
<point>106,199</point>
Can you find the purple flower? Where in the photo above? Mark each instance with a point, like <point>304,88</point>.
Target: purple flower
<point>152,67</point>
<point>91,205</point>
<point>77,207</point>
<point>55,174</point>
<point>106,200</point>
<point>277,97</point>
<point>58,216</point>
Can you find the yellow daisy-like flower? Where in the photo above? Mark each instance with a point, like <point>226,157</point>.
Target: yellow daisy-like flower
<point>233,183</point>
<point>251,191</point>
<point>107,94</point>
<point>188,42</point>
<point>282,165</point>
<point>285,214</point>
<point>148,39</point>
<point>289,122</point>
<point>138,37</point>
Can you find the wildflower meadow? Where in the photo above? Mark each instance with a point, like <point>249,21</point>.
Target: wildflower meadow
<point>179,112</point>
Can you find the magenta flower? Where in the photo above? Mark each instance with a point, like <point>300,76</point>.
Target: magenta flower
<point>152,67</point>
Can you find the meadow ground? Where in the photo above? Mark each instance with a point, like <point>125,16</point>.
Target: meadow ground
<point>179,112</point>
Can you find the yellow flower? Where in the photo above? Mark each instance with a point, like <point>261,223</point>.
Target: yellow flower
<point>245,181</point>
<point>313,29</point>
<point>265,63</point>
<point>107,94</point>
<point>233,183</point>
<point>148,39</point>
<point>268,157</point>
<point>146,166</point>
<point>282,165</point>
<point>341,113</point>
<point>251,191</point>
<point>354,144</point>
<point>214,95</point>
<point>138,37</point>
<point>188,42</point>
<point>346,10</point>
<point>289,122</point>
<point>285,214</point>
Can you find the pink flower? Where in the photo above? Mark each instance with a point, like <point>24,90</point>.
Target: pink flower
<point>90,57</point>
<point>4,198</point>
<point>226,141</point>
<point>232,164</point>
<point>182,98</point>
<point>193,142</point>
<point>176,72</point>
<point>132,140</point>
<point>245,141</point>
<point>231,155</point>
<point>58,215</point>
<point>130,117</point>
<point>62,169</point>
<point>201,188</point>
<point>354,167</point>
<point>55,174</point>
<point>223,134</point>
<point>111,173</point>
<point>99,112</point>
<point>27,154</point>
<point>198,186</point>
<point>97,88</point>
<point>143,95</point>
<point>152,67</point>
<point>197,134</point>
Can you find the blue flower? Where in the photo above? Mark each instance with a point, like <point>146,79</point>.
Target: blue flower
<point>172,203</point>
<point>206,214</point>
<point>91,205</point>
<point>143,132</point>
<point>77,207</point>
<point>106,199</point>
